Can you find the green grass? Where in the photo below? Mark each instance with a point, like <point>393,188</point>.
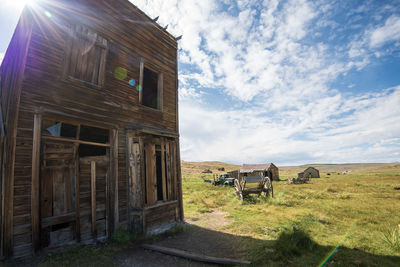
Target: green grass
<point>351,208</point>
<point>340,220</point>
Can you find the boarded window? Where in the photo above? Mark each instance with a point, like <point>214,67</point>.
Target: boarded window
<point>86,56</point>
<point>160,173</point>
<point>152,85</point>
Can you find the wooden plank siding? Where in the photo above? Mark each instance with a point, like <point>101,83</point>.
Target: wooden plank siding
<point>106,199</point>
<point>12,73</point>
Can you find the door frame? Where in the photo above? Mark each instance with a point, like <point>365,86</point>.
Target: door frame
<point>112,182</point>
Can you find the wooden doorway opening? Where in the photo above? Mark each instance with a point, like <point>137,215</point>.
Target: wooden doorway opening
<point>74,184</point>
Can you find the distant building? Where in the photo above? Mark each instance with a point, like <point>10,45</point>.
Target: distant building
<point>310,172</point>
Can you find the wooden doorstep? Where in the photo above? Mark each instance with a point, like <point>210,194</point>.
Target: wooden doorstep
<point>194,256</point>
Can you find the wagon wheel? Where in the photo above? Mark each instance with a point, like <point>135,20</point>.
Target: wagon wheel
<point>238,189</point>
<point>268,188</point>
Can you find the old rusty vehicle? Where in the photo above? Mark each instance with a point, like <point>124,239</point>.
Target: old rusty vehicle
<point>224,179</point>
<point>259,185</point>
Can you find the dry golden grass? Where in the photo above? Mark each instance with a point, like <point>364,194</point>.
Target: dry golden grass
<point>359,206</point>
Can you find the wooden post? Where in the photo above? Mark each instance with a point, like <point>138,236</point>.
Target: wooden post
<point>77,188</point>
<point>37,129</point>
<point>164,182</point>
<point>93,196</point>
<point>179,182</point>
<point>114,182</point>
<point>150,173</point>
<point>168,170</point>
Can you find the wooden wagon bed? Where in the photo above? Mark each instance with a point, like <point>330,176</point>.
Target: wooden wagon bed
<point>254,185</point>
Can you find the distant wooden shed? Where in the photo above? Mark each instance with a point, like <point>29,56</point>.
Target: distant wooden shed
<point>89,126</point>
<point>310,172</point>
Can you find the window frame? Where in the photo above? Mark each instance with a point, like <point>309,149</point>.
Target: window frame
<point>75,34</point>
<point>160,85</point>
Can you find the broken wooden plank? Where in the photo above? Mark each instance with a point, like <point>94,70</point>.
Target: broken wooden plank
<point>194,256</point>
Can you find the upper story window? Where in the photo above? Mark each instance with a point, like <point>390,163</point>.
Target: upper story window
<point>151,83</point>
<point>86,56</point>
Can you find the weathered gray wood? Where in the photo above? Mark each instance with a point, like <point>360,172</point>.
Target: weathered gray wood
<point>114,104</point>
<point>150,174</point>
<point>135,174</point>
<point>194,256</point>
<point>12,74</point>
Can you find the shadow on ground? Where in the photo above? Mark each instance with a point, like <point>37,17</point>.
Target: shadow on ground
<point>292,248</point>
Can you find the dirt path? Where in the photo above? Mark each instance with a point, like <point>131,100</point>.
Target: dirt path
<point>200,236</point>
<point>213,220</point>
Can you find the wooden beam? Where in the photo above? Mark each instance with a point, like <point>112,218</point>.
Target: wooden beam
<point>61,139</point>
<point>114,179</point>
<point>151,182</point>
<point>141,81</point>
<point>168,170</point>
<point>77,188</point>
<point>179,181</point>
<point>164,177</point>
<point>63,218</point>
<point>160,91</point>
<point>194,256</point>
<point>37,130</point>
<point>93,196</point>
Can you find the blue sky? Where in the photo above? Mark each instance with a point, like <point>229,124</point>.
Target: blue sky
<point>288,82</point>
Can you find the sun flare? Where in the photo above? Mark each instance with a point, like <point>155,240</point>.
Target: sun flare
<point>19,4</point>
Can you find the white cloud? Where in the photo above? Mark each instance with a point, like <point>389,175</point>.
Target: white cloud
<point>389,32</point>
<point>1,57</point>
<point>283,109</point>
<point>368,133</point>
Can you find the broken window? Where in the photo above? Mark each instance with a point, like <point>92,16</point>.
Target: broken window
<point>94,134</point>
<point>151,92</point>
<point>86,56</point>
<point>91,151</point>
<point>60,129</point>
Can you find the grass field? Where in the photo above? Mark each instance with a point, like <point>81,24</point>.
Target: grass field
<point>301,226</point>
<point>337,220</point>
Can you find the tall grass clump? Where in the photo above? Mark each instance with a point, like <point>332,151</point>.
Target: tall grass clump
<point>391,237</point>
<point>292,242</point>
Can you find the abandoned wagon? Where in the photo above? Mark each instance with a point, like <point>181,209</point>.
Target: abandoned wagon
<point>89,126</point>
<point>310,172</point>
<point>267,170</point>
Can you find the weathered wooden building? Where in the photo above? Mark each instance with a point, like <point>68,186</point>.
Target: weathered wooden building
<point>268,169</point>
<point>89,126</point>
<point>310,172</point>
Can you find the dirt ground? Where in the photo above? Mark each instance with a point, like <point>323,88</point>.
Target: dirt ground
<point>201,236</point>
<point>205,240</point>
